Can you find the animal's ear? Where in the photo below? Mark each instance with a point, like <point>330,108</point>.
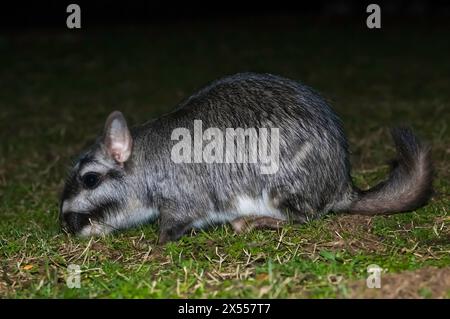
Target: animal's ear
<point>117,138</point>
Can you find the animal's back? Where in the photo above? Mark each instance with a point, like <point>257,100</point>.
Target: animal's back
<point>313,173</point>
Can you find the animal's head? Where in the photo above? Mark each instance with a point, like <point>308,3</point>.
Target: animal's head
<point>98,195</point>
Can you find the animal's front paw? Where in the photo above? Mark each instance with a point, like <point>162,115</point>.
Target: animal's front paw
<point>172,233</point>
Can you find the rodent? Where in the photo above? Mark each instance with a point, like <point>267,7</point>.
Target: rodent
<point>129,176</point>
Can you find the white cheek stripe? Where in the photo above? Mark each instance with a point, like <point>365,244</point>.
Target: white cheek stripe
<point>119,221</point>
<point>130,219</point>
<point>76,205</point>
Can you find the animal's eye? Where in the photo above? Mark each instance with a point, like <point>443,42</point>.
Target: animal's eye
<point>90,180</point>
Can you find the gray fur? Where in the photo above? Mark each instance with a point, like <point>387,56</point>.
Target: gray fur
<point>313,176</point>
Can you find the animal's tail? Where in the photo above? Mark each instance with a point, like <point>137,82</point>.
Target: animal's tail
<point>409,185</point>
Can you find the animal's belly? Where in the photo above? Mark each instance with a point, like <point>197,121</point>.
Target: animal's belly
<point>242,206</point>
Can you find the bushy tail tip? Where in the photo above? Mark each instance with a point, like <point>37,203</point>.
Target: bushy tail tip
<point>409,185</point>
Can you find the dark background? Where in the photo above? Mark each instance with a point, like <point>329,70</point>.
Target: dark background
<point>23,15</point>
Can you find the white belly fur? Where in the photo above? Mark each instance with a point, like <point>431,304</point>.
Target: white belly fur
<point>244,206</point>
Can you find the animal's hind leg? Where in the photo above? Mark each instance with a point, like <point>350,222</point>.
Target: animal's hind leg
<point>246,224</point>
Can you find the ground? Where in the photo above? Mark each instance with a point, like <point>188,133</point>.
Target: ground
<point>57,87</point>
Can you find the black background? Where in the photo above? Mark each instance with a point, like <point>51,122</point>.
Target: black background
<point>20,15</point>
<point>280,308</point>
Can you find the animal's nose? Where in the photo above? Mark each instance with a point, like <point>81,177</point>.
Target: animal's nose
<point>73,222</point>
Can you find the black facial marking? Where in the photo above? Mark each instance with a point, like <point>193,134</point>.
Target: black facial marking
<point>71,187</point>
<point>115,174</point>
<point>74,222</point>
<point>103,208</point>
<point>86,159</point>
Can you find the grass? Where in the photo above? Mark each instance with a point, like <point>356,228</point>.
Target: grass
<point>56,89</point>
